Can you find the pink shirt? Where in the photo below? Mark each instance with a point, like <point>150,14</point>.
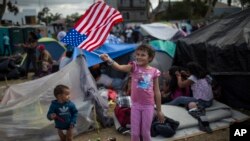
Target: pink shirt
<point>142,89</point>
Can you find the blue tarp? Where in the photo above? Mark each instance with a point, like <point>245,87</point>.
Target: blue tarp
<point>113,50</point>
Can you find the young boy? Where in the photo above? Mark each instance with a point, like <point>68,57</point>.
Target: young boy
<point>63,112</point>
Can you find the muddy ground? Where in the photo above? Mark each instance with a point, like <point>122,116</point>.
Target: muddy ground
<point>104,133</point>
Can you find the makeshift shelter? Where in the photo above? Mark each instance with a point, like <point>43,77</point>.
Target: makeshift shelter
<point>53,46</point>
<point>114,51</point>
<point>123,53</point>
<point>24,106</point>
<point>223,49</point>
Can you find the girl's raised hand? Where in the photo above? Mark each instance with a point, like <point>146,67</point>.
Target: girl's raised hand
<point>104,57</point>
<point>177,73</point>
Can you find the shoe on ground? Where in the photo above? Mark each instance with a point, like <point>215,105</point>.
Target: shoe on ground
<point>123,130</point>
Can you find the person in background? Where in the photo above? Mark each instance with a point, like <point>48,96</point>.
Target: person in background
<point>145,91</point>
<point>60,36</point>
<point>200,83</point>
<point>173,90</point>
<point>129,32</point>
<point>49,34</point>
<point>45,61</point>
<point>30,49</point>
<point>66,59</point>
<point>105,80</point>
<point>63,112</point>
<point>38,33</point>
<point>6,44</point>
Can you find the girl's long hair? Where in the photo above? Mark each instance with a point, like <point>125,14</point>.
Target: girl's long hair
<point>196,70</point>
<point>173,84</point>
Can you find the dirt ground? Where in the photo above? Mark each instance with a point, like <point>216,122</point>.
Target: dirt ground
<point>104,133</point>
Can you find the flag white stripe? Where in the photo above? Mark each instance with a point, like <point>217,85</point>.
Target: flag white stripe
<point>93,34</point>
<point>91,20</point>
<point>86,19</point>
<point>96,39</point>
<point>99,20</point>
<point>103,34</point>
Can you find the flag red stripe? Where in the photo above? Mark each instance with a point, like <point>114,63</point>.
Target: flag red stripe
<point>103,21</point>
<point>99,37</point>
<point>94,46</point>
<point>90,19</point>
<point>96,23</point>
<point>96,33</point>
<point>84,16</point>
<point>98,20</point>
<point>88,16</point>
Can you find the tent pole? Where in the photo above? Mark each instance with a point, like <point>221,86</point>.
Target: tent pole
<point>6,81</point>
<point>95,118</point>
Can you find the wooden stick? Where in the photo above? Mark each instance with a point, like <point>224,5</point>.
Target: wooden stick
<point>6,81</point>
<point>95,118</point>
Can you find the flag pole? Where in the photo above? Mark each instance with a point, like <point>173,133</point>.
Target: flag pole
<point>96,53</point>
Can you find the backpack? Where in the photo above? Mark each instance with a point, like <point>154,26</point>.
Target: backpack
<point>123,115</point>
<point>166,129</point>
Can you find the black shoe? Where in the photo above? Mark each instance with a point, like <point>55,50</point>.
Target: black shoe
<point>197,113</point>
<point>123,130</point>
<point>173,123</point>
<point>204,126</point>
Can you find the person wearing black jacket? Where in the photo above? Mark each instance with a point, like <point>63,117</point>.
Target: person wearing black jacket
<point>30,49</point>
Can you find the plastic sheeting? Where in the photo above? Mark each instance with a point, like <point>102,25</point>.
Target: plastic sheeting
<point>24,106</point>
<point>159,30</point>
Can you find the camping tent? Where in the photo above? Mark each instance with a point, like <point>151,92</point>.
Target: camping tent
<point>24,106</point>
<point>53,46</point>
<point>223,49</point>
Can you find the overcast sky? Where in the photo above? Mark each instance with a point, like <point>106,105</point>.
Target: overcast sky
<point>64,7</point>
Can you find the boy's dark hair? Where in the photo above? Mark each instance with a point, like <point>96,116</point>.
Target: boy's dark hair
<point>148,49</point>
<point>59,89</point>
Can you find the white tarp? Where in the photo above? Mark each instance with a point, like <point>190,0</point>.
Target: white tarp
<point>23,109</point>
<point>159,30</point>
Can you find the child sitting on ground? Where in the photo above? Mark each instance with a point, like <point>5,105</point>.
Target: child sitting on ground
<point>63,112</point>
<point>105,80</point>
<point>173,91</point>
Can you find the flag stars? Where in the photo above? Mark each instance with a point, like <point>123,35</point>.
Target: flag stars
<point>74,38</point>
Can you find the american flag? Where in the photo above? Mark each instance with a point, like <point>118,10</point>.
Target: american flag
<point>92,29</point>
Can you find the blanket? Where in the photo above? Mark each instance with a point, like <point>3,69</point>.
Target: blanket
<point>219,115</point>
